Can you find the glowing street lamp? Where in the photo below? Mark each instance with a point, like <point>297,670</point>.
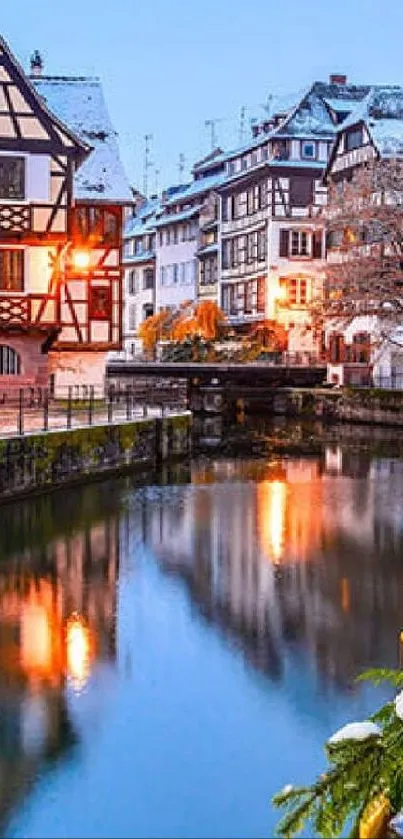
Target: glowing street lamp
<point>280,294</point>
<point>81,260</point>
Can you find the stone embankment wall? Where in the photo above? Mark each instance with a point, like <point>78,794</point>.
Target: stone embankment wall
<point>49,460</point>
<point>377,407</point>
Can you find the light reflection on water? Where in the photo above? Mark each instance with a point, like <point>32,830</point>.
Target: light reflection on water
<point>172,655</point>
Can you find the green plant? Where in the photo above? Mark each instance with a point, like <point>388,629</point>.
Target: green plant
<point>365,764</point>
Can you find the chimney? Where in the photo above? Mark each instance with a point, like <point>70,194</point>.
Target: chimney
<point>338,78</point>
<point>36,64</point>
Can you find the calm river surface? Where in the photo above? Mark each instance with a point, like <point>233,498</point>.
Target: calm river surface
<point>171,655</point>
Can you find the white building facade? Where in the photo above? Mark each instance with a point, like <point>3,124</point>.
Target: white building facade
<point>179,239</point>
<point>271,236</point>
<point>139,260</point>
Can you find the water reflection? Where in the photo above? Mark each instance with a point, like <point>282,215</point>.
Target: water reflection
<point>301,551</point>
<point>57,619</point>
<point>292,564</point>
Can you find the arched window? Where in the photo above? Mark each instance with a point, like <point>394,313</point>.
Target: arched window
<point>10,362</point>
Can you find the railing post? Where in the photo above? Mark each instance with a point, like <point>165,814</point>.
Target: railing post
<point>46,410</point>
<point>91,405</point>
<point>69,407</point>
<point>110,405</point>
<point>21,413</point>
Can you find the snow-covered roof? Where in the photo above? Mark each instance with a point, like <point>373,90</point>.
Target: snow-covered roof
<point>173,218</point>
<point>213,248</point>
<point>341,106</point>
<point>311,116</point>
<point>144,220</point>
<point>134,259</point>
<point>382,112</point>
<point>196,188</point>
<point>79,102</point>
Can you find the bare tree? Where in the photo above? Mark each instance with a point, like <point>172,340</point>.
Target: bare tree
<point>364,221</point>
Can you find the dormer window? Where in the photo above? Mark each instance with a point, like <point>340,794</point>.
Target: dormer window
<point>231,167</point>
<point>12,177</point>
<point>308,151</point>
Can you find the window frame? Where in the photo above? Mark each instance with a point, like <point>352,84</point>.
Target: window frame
<point>9,358</point>
<point>20,289</point>
<point>313,145</point>
<point>12,199</point>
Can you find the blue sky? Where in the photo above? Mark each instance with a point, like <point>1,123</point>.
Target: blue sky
<point>169,66</point>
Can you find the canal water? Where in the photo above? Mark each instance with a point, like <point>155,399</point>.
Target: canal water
<point>172,654</point>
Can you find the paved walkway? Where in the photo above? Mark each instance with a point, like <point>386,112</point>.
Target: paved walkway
<point>34,419</point>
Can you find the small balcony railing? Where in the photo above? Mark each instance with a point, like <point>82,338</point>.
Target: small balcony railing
<point>15,219</point>
<point>28,309</point>
<point>15,310</point>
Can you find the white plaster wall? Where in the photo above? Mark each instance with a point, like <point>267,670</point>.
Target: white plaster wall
<point>37,177</point>
<point>37,270</point>
<point>138,300</point>
<point>280,267</point>
<point>74,368</point>
<point>175,294</point>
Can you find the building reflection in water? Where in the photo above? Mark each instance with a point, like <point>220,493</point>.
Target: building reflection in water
<point>57,622</point>
<point>297,555</point>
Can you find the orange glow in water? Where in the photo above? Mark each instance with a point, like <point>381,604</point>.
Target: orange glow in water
<point>272,499</point>
<point>78,651</point>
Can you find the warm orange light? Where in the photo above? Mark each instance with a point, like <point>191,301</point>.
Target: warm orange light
<point>78,651</point>
<point>81,260</point>
<point>280,293</point>
<point>272,509</point>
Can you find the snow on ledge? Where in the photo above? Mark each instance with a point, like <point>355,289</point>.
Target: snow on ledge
<point>355,731</point>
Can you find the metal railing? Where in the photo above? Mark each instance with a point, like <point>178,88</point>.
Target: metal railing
<point>31,410</point>
<point>392,382</point>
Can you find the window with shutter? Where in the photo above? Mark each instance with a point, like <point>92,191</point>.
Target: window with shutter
<point>284,242</point>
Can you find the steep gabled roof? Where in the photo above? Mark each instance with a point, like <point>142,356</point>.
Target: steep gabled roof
<point>80,103</point>
<point>312,116</point>
<point>24,104</point>
<point>381,111</point>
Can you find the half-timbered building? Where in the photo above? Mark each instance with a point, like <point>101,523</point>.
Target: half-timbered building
<point>91,308</point>
<point>272,240</point>
<point>361,348</point>
<point>60,259</point>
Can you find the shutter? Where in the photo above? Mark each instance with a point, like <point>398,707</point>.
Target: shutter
<point>317,244</point>
<point>284,242</point>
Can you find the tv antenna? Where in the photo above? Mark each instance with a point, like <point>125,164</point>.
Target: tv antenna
<point>147,162</point>
<point>242,123</point>
<point>181,166</point>
<point>211,124</point>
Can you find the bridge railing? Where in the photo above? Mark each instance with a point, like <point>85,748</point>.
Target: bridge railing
<point>31,410</point>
